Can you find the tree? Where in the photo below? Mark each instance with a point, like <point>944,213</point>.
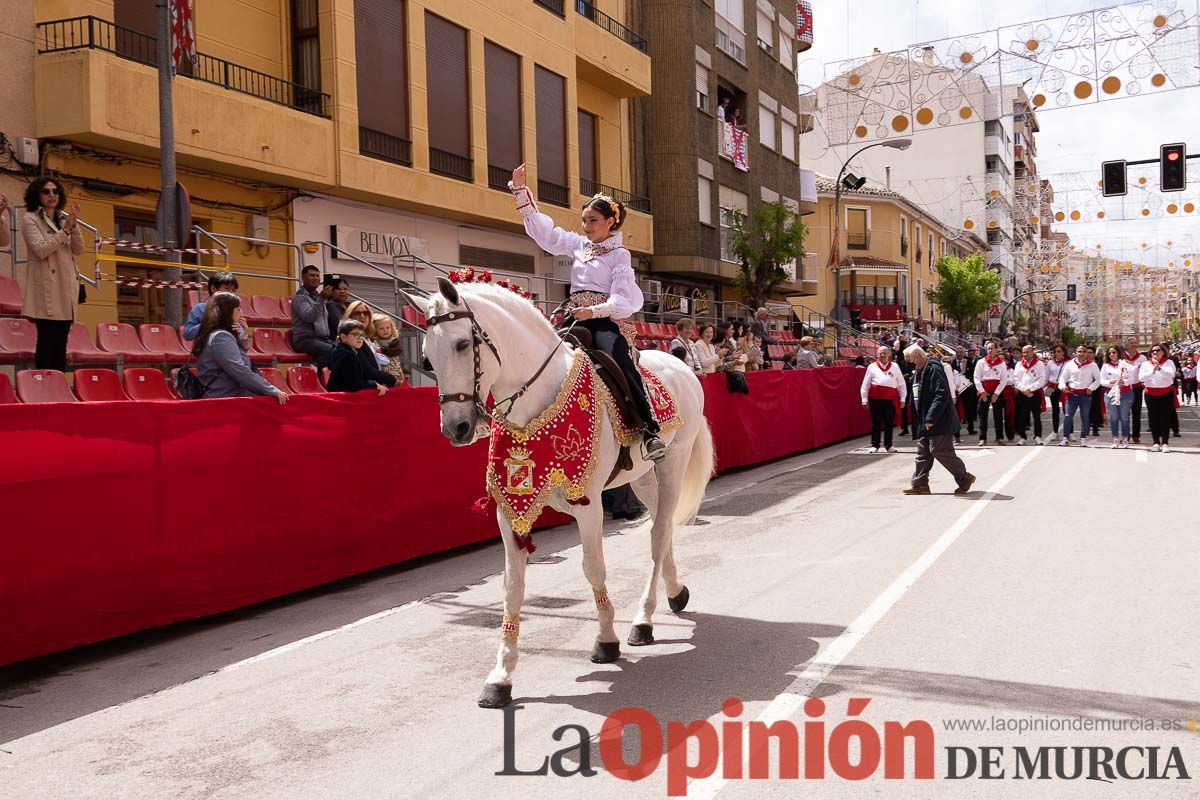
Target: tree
<point>966,289</point>
<point>774,238</point>
<point>1175,330</point>
<point>1069,337</point>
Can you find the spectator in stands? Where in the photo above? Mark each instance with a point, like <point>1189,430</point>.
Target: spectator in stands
<point>750,348</point>
<point>723,334</point>
<point>684,328</point>
<point>339,300</point>
<point>5,238</point>
<point>310,320</point>
<point>217,282</point>
<point>368,354</point>
<point>806,357</point>
<point>221,364</point>
<point>388,346</point>
<point>680,352</point>
<point>346,372</point>
<point>860,361</point>
<point>762,332</point>
<point>53,239</point>
<point>706,350</point>
<point>789,360</point>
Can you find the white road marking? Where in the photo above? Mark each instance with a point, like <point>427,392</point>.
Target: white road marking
<point>969,455</point>
<point>787,704</point>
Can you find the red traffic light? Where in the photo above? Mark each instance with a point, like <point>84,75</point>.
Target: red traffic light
<point>1173,155</point>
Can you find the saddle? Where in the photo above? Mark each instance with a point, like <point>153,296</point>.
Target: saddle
<point>618,388</point>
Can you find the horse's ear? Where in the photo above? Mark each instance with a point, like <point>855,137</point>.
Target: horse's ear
<point>417,302</point>
<point>448,290</point>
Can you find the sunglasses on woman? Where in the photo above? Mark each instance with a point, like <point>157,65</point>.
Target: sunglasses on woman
<point>50,191</point>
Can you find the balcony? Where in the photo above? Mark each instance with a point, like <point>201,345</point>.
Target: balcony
<point>553,193</point>
<point>553,6</point>
<point>608,54</point>
<point>858,240</point>
<point>384,146</point>
<point>95,84</point>
<point>734,145</point>
<point>879,313</point>
<point>587,188</point>
<point>451,165</point>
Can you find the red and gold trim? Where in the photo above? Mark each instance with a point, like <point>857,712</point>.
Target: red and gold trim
<point>510,628</point>
<point>602,601</point>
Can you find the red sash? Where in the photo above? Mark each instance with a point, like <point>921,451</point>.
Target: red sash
<point>1159,391</point>
<point>989,386</point>
<point>878,392</point>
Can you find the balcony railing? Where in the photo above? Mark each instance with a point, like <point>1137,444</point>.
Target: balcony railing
<point>498,177</point>
<point>555,6</point>
<point>586,9</point>
<point>856,240</point>
<point>451,165</point>
<point>903,247</point>
<point>734,144</point>
<point>384,146</point>
<point>94,33</point>
<point>588,188</point>
<point>553,193</point>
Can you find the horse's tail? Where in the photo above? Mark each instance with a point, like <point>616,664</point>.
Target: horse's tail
<point>695,477</point>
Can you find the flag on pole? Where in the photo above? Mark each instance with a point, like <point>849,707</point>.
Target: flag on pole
<point>183,34</point>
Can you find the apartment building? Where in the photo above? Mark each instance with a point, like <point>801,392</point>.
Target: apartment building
<point>720,136</point>
<point>382,127</point>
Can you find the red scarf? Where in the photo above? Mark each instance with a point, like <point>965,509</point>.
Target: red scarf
<point>1158,363</point>
<point>882,367</point>
<point>991,363</point>
<point>1028,364</point>
<point>1132,357</point>
<point>1060,363</point>
<point>1079,363</point>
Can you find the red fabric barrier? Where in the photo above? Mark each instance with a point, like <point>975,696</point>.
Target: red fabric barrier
<point>116,517</point>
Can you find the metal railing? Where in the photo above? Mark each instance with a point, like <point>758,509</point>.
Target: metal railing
<point>553,193</point>
<point>94,33</point>
<point>589,11</point>
<point>858,241</point>
<point>554,6</point>
<point>451,165</point>
<point>589,187</point>
<point>498,177</point>
<point>384,146</point>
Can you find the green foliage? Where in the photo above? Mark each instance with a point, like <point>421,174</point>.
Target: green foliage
<point>1070,337</point>
<point>775,237</point>
<point>966,289</point>
<point>1175,330</point>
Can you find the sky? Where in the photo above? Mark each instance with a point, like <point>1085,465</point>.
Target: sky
<point>1071,140</point>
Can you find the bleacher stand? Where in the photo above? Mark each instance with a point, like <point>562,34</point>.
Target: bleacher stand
<point>43,386</point>
<point>11,299</point>
<point>304,380</point>
<point>146,384</point>
<point>121,339</point>
<point>82,352</point>
<point>98,386</point>
<point>7,395</point>
<point>18,340</point>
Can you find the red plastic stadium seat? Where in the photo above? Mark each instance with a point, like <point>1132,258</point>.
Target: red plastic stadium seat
<point>268,308</point>
<point>7,395</point>
<point>643,329</point>
<point>120,338</point>
<point>413,317</point>
<point>275,344</point>
<point>43,386</point>
<point>193,297</point>
<point>98,386</point>
<point>250,312</point>
<point>146,384</point>
<point>10,296</point>
<point>81,351</point>
<point>303,380</point>
<point>165,339</point>
<point>18,340</point>
<point>275,377</point>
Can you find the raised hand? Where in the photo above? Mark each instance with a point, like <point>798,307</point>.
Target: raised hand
<point>518,177</point>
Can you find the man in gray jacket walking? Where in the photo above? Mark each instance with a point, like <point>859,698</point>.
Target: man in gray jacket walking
<point>310,320</point>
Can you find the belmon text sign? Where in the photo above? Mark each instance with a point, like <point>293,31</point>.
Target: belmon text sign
<point>378,247</point>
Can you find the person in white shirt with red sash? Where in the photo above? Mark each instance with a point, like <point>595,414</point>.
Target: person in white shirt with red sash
<point>1158,376</point>
<point>991,376</point>
<point>1135,412</point>
<point>1118,372</point>
<point>1053,372</point>
<point>1078,379</point>
<point>884,392</point>
<point>1029,381</point>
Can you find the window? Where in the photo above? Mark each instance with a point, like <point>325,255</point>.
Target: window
<point>704,170</point>
<point>731,31</point>
<point>903,237</point>
<point>785,51</point>
<point>787,140</point>
<point>886,295</point>
<point>858,232</point>
<point>702,91</point>
<point>931,252</point>
<point>917,242</point>
<point>449,99</point>
<point>920,297</point>
<point>502,84</point>
<point>732,202</point>
<point>134,17</point>
<point>306,47</point>
<point>766,36</point>
<point>550,92</point>
<point>382,76</point>
<point>766,127</point>
<point>587,153</point>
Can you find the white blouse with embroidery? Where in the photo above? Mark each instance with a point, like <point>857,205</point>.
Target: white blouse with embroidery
<point>599,267</point>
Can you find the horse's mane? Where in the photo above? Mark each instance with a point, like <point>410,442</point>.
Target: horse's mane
<point>513,304</point>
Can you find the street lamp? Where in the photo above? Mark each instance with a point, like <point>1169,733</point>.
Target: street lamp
<point>895,144</point>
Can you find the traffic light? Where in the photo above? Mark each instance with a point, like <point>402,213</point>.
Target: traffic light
<point>1070,293</point>
<point>1114,178</point>
<point>1172,167</point>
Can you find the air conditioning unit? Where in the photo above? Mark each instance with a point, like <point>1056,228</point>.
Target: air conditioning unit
<point>652,288</point>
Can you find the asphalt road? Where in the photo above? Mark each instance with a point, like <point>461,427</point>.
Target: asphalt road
<point>1063,591</point>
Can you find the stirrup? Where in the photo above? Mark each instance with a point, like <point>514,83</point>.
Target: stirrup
<point>653,448</point>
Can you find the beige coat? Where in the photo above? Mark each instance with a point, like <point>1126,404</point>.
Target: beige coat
<point>51,285</point>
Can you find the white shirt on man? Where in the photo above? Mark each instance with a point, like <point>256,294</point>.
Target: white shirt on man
<point>892,378</point>
<point>1136,362</point>
<point>1077,376</point>
<point>990,372</point>
<point>1030,378</point>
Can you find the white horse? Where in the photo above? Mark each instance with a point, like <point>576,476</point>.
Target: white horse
<point>487,340</point>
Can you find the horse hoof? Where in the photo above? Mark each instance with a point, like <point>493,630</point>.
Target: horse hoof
<point>495,695</point>
<point>679,602</point>
<point>641,635</point>
<point>605,652</point>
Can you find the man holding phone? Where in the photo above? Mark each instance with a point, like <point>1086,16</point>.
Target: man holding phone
<point>310,319</point>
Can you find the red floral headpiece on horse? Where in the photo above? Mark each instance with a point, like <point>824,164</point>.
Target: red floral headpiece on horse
<point>469,275</point>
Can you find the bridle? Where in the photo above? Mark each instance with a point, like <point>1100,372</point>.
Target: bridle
<point>480,336</point>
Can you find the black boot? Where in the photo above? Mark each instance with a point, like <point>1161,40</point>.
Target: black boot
<point>655,448</point>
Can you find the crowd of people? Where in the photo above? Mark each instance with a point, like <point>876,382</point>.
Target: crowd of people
<point>1011,389</point>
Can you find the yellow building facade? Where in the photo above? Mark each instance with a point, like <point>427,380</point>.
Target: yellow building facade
<point>888,250</point>
<point>270,142</point>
